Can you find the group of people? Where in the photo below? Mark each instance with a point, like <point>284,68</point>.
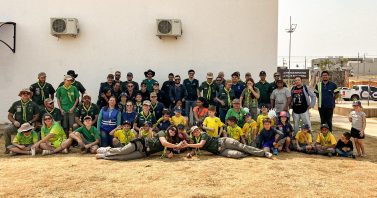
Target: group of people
<point>233,118</point>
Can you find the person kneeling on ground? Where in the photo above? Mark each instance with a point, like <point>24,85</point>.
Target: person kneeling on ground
<point>269,137</point>
<point>344,147</point>
<point>141,147</point>
<point>122,134</point>
<point>24,140</point>
<point>304,140</point>
<point>54,139</point>
<point>326,142</point>
<point>227,147</point>
<point>87,136</point>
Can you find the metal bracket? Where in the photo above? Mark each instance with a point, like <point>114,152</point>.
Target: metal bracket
<point>14,36</point>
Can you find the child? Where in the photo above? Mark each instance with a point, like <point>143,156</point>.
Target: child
<point>261,117</point>
<point>286,128</point>
<point>212,123</point>
<point>87,136</point>
<point>234,131</point>
<point>303,140</point>
<point>269,137</point>
<point>25,138</point>
<point>358,119</point>
<point>164,122</point>
<point>344,147</point>
<point>178,119</point>
<point>122,134</point>
<point>146,131</point>
<point>249,129</point>
<point>326,142</point>
<point>138,103</point>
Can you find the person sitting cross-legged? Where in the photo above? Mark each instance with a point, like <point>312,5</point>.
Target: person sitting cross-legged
<point>87,136</point>
<point>326,142</point>
<point>24,140</point>
<point>344,147</point>
<point>303,140</point>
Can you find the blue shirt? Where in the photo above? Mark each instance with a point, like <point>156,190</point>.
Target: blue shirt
<point>328,91</point>
<point>237,89</point>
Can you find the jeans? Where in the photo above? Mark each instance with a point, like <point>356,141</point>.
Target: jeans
<point>232,148</point>
<point>128,152</point>
<point>9,130</point>
<point>222,114</point>
<point>106,139</point>
<point>326,115</point>
<point>68,120</point>
<point>343,153</point>
<point>189,104</point>
<point>304,117</point>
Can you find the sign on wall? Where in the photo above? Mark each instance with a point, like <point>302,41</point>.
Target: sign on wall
<point>293,73</point>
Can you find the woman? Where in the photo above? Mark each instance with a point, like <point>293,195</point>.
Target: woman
<point>224,146</point>
<point>200,110</point>
<point>54,139</point>
<point>108,119</point>
<point>129,114</point>
<point>143,147</point>
<point>249,98</point>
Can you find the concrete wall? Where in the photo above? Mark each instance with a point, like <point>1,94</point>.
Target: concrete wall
<point>218,35</point>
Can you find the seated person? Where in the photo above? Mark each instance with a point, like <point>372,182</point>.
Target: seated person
<point>303,140</point>
<point>164,122</point>
<point>87,136</point>
<point>269,137</point>
<point>200,111</point>
<point>122,134</point>
<point>54,139</point>
<point>50,108</point>
<point>225,146</point>
<point>234,131</point>
<point>146,131</point>
<point>86,108</point>
<point>326,142</point>
<point>24,140</point>
<point>249,130</point>
<point>178,119</point>
<point>129,114</point>
<point>286,128</point>
<point>139,103</point>
<point>344,147</point>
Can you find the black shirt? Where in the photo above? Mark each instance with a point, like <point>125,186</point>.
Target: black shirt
<point>299,103</point>
<point>191,88</point>
<point>340,144</point>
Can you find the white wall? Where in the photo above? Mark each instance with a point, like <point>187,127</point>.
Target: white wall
<point>218,35</point>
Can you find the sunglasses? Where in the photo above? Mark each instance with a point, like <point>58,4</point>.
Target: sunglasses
<point>48,118</point>
<point>153,96</point>
<point>25,93</point>
<point>276,75</point>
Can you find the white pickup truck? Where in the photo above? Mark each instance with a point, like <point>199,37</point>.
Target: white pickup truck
<point>359,92</point>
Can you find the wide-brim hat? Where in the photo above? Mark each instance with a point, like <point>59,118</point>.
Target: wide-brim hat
<point>149,71</point>
<point>25,127</point>
<point>72,73</point>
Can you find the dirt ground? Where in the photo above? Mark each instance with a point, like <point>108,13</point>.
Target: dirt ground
<point>290,175</point>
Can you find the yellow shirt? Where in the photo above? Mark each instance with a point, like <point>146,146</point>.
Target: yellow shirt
<point>260,119</point>
<point>145,133</point>
<point>213,123</point>
<point>248,127</point>
<point>235,132</point>
<point>327,140</point>
<point>123,136</point>
<point>300,137</point>
<point>178,120</point>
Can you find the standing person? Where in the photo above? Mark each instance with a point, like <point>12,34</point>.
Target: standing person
<point>49,108</point>
<point>116,91</point>
<point>302,100</point>
<point>264,90</point>
<point>274,84</point>
<point>177,92</point>
<point>247,77</point>
<point>200,111</point>
<point>192,87</point>
<point>26,137</point>
<point>108,119</point>
<point>249,98</point>
<point>237,112</point>
<point>144,116</point>
<point>130,113</point>
<point>219,83</point>
<point>131,91</point>
<point>166,88</point>
<point>237,85</point>
<point>75,83</point>
<point>108,85</point>
<point>125,84</point>
<point>41,90</point>
<point>20,112</point>
<point>280,97</point>
<point>149,74</point>
<point>156,106</point>
<point>221,75</point>
<point>103,100</point>
<point>326,92</point>
<point>209,89</point>
<point>117,77</point>
<point>144,91</point>
<point>87,136</point>
<point>68,98</point>
<point>358,119</point>
<point>159,93</point>
<point>225,97</point>
<point>86,108</point>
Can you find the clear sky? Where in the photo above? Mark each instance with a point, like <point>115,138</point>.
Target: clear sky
<point>328,27</point>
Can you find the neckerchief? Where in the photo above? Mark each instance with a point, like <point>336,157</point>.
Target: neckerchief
<point>227,93</point>
<point>24,109</point>
<point>50,112</point>
<point>209,90</point>
<point>87,109</point>
<point>42,91</point>
<point>69,95</point>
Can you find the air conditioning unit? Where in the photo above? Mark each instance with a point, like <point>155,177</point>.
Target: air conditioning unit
<point>64,26</point>
<point>169,27</point>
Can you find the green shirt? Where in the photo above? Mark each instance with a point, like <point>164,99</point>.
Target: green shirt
<point>226,97</point>
<point>91,136</point>
<point>239,115</point>
<point>67,96</point>
<point>55,129</point>
<point>154,143</point>
<point>141,119</point>
<point>41,92</point>
<point>78,85</point>
<point>249,99</point>
<point>265,92</point>
<point>24,111</point>
<point>56,114</point>
<point>149,84</point>
<point>26,140</point>
<point>83,111</point>
<point>212,143</point>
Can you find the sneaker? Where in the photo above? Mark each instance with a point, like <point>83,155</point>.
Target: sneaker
<point>65,151</point>
<point>103,150</point>
<point>275,151</point>
<point>268,154</point>
<point>46,152</point>
<point>100,156</point>
<point>32,151</point>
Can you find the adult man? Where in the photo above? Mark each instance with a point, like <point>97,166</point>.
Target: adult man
<point>106,85</point>
<point>125,84</point>
<point>117,77</point>
<point>149,74</point>
<point>326,92</point>
<point>225,97</point>
<point>144,91</point>
<point>264,90</point>
<point>49,108</point>
<point>75,83</point>
<point>86,108</point>
<point>116,91</point>
<point>156,106</point>
<point>160,94</point>
<point>41,90</point>
<point>20,112</point>
<point>221,76</point>
<point>192,87</point>
<point>209,89</point>
<point>237,85</point>
<point>280,97</point>
<point>247,76</point>
<point>131,91</point>
<point>274,84</point>
<point>68,98</point>
<point>177,92</point>
<point>302,100</point>
<point>166,88</point>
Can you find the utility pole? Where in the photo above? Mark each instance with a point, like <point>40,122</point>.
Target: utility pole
<point>292,28</point>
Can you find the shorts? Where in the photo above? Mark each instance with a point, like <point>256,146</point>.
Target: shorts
<point>28,146</point>
<point>56,144</point>
<point>356,134</point>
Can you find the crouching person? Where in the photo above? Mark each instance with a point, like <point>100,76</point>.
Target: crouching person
<point>227,147</point>
<point>24,140</point>
<point>303,140</point>
<point>326,142</point>
<point>54,139</point>
<point>87,136</point>
<point>122,134</point>
<point>344,147</point>
<point>269,137</point>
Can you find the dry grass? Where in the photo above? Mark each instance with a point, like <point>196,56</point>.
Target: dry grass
<point>291,175</point>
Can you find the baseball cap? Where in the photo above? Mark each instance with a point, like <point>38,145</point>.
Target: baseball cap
<point>262,73</point>
<point>87,117</point>
<point>193,128</point>
<point>68,77</point>
<point>235,101</point>
<point>129,74</point>
<point>325,126</point>
<point>153,94</point>
<point>209,75</point>
<point>305,126</point>
<point>283,114</point>
<point>356,103</point>
<point>147,102</point>
<point>49,100</point>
